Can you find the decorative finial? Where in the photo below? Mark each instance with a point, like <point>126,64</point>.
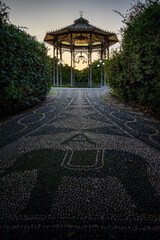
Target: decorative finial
<point>81,13</point>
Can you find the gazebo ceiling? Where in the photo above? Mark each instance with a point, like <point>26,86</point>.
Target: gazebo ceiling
<point>79,34</point>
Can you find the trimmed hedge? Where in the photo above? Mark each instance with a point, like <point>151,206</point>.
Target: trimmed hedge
<point>25,71</point>
<point>134,73</point>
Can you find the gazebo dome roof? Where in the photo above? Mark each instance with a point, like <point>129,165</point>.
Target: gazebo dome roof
<point>81,31</point>
<point>81,20</point>
<point>81,24</point>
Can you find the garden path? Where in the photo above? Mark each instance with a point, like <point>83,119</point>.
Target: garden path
<point>80,166</point>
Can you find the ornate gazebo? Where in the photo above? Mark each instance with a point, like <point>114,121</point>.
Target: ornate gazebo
<point>79,38</point>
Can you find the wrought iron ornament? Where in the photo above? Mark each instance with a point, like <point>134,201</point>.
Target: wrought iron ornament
<point>81,13</point>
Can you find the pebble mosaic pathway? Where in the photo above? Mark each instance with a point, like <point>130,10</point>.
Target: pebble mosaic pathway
<point>80,166</point>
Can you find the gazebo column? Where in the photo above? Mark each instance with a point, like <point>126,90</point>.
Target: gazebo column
<point>101,67</point>
<point>60,66</point>
<point>88,68</point>
<point>90,60</point>
<point>108,51</point>
<point>71,62</point>
<point>73,66</point>
<point>91,70</point>
<point>57,67</point>
<point>104,64</point>
<point>54,75</point>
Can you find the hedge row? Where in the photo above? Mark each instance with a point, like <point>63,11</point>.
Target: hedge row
<point>25,75</point>
<point>134,72</point>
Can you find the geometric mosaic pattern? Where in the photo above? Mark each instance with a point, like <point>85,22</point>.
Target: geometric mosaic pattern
<point>80,166</point>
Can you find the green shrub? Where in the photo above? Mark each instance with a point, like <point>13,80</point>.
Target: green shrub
<point>25,75</point>
<point>134,73</point>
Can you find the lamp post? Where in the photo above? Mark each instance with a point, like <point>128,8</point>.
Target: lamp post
<point>88,76</point>
<point>58,74</point>
<point>104,74</point>
<point>101,63</point>
<point>61,63</point>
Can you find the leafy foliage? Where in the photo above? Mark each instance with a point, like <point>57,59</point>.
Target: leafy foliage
<point>4,15</point>
<point>82,76</point>
<point>25,77</point>
<point>134,72</point>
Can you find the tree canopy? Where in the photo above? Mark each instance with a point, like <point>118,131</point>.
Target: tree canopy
<point>134,72</point>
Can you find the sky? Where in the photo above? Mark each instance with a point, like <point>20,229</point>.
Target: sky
<point>41,16</point>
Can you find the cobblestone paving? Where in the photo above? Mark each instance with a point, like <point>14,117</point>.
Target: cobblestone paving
<point>80,166</point>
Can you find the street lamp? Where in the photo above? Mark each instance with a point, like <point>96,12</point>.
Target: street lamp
<point>104,73</point>
<point>61,63</point>
<point>101,64</point>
